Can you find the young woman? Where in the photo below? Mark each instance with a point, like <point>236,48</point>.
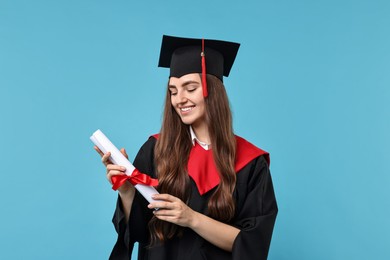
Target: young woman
<point>216,196</point>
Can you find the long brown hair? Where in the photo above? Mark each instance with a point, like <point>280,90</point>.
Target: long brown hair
<point>172,151</point>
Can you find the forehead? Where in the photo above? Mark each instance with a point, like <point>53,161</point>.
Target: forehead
<point>192,77</point>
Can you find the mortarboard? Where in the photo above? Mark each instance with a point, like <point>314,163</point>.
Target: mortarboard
<point>189,55</point>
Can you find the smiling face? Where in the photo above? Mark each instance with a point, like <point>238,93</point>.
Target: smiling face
<point>187,98</point>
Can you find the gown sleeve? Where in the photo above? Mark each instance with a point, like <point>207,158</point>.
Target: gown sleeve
<point>136,230</point>
<point>257,210</point>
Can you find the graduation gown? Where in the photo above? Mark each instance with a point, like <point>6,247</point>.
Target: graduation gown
<point>256,211</point>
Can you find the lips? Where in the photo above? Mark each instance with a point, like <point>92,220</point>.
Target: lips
<point>186,109</point>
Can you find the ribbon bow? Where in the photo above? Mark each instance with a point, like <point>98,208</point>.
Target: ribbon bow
<point>135,178</point>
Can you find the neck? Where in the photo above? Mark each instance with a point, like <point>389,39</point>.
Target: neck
<point>202,132</point>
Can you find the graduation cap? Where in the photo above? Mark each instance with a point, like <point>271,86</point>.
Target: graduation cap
<point>188,55</point>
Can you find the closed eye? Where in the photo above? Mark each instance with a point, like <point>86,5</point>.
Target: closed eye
<point>191,87</point>
<point>172,90</point>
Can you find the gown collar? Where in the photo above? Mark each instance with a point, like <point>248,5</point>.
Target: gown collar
<point>202,169</point>
<point>195,139</point>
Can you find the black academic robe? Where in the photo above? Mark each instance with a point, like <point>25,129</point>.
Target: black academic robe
<point>256,210</point>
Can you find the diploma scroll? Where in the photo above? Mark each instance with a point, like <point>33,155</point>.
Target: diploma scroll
<point>105,145</point>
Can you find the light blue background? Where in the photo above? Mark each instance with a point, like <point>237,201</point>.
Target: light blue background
<point>311,85</point>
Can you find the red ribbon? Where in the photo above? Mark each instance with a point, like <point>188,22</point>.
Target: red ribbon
<point>136,177</point>
<point>204,81</point>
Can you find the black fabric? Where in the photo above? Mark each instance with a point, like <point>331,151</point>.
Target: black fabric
<point>188,60</point>
<point>183,56</point>
<point>256,211</point>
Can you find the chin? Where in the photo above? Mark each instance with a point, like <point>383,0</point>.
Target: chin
<point>187,122</point>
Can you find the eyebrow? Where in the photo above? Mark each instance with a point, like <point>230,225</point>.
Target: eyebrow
<point>189,82</point>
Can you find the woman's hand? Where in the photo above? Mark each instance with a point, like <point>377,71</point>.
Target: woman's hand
<point>112,169</point>
<point>173,210</point>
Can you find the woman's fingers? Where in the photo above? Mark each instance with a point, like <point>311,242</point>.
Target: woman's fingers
<point>113,173</point>
<point>165,201</point>
<point>164,213</point>
<point>162,205</point>
<point>165,197</point>
<point>98,150</point>
<point>172,209</point>
<point>105,158</point>
<point>115,167</point>
<point>111,169</point>
<point>123,151</point>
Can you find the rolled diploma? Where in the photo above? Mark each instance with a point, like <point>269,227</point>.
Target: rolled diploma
<point>105,145</point>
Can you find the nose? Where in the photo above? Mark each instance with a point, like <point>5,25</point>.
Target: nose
<point>182,98</point>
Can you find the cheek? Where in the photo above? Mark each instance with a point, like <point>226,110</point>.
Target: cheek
<point>203,107</point>
<point>173,103</point>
